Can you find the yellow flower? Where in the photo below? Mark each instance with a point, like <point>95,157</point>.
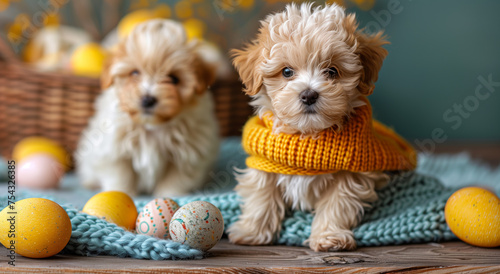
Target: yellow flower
<point>194,28</point>
<point>162,11</point>
<point>15,31</point>
<point>142,4</point>
<point>183,9</point>
<point>364,4</point>
<point>4,4</point>
<point>246,4</point>
<point>29,54</point>
<point>51,20</point>
<point>128,23</point>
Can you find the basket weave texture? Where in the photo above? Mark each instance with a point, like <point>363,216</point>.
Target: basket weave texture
<point>59,105</point>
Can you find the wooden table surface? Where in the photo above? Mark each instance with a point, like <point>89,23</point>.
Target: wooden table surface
<point>450,257</point>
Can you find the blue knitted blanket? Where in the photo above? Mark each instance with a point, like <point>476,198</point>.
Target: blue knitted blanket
<point>410,209</point>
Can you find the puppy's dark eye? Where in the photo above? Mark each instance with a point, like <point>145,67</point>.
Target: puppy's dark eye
<point>332,73</point>
<point>287,72</point>
<point>135,72</point>
<point>173,79</point>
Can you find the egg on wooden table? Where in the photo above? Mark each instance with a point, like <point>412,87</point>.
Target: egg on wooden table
<point>113,206</point>
<point>39,228</point>
<point>154,218</point>
<point>198,224</point>
<point>473,215</point>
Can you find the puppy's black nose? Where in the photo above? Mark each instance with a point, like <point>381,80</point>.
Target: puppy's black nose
<point>308,97</point>
<point>148,101</point>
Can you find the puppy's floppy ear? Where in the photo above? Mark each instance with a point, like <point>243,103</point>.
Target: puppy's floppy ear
<point>205,74</point>
<point>205,65</point>
<point>106,78</point>
<point>113,54</point>
<point>247,63</point>
<point>372,55</point>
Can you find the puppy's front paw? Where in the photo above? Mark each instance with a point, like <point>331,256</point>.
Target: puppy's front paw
<point>243,234</point>
<point>332,241</point>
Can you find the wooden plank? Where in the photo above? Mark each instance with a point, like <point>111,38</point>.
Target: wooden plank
<point>452,257</point>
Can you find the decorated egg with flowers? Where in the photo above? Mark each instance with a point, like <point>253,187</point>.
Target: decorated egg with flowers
<point>155,217</point>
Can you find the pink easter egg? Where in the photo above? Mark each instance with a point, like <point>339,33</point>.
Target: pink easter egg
<point>40,171</point>
<point>155,217</point>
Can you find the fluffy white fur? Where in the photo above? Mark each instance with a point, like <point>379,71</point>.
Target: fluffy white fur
<point>166,150</point>
<point>311,42</point>
<point>168,159</point>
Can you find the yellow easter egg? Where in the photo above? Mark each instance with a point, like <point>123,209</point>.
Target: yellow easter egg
<point>88,60</point>
<point>113,206</point>
<point>36,145</point>
<point>34,228</point>
<point>473,215</point>
<point>129,21</point>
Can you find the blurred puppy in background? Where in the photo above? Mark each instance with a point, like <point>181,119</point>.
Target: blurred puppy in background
<point>309,72</point>
<point>154,130</point>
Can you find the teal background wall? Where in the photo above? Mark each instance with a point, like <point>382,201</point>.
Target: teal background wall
<point>438,51</point>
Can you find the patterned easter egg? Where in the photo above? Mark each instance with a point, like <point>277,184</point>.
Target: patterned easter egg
<point>198,224</point>
<point>155,218</point>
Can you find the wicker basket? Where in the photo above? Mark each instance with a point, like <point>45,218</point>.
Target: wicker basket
<point>58,106</point>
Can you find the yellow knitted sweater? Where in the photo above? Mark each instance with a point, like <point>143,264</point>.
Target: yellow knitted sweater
<point>363,144</point>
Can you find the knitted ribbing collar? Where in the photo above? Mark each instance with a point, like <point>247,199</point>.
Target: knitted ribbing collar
<point>363,144</point>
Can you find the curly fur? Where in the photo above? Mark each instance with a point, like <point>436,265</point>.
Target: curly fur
<point>310,41</point>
